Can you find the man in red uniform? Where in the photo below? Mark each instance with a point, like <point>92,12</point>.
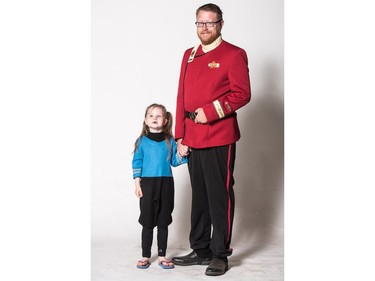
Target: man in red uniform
<point>214,82</point>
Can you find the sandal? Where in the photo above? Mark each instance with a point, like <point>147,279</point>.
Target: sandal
<point>166,264</point>
<point>143,264</point>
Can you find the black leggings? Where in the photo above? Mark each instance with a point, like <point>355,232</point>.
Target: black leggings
<point>147,237</point>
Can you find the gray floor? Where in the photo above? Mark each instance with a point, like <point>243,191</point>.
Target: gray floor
<point>113,261</point>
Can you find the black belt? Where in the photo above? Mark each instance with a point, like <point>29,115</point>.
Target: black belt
<point>190,115</point>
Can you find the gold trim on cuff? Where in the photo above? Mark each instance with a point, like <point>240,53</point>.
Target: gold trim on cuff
<point>219,109</point>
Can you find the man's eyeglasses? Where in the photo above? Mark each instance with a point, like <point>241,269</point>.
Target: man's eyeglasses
<point>208,24</point>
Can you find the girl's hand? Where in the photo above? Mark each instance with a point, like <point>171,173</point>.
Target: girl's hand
<point>138,189</point>
<point>138,192</point>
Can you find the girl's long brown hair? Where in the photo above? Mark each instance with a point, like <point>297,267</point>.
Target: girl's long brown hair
<point>167,129</point>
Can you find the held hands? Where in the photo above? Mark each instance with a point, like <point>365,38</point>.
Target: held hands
<point>183,150</point>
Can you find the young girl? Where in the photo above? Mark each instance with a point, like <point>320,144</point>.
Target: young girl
<point>155,151</point>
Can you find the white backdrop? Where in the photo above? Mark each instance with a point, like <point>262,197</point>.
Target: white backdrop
<point>137,47</point>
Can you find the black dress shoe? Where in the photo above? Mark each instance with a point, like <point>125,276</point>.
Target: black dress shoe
<point>191,259</point>
<point>217,267</point>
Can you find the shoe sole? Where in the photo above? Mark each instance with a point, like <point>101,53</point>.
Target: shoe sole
<point>194,263</point>
<point>216,273</point>
<point>143,266</point>
<point>165,266</point>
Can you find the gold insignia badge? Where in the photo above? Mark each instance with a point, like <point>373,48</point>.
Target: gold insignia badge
<point>214,64</point>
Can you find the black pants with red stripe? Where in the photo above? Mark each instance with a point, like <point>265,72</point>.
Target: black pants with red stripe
<point>211,176</point>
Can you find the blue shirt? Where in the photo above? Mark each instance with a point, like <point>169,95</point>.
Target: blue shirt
<point>154,159</point>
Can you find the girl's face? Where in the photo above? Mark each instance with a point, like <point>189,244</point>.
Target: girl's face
<point>155,120</point>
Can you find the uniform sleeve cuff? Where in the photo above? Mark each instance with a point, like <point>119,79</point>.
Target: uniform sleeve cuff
<point>219,109</point>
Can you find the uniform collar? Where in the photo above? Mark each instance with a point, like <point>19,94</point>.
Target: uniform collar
<point>213,45</point>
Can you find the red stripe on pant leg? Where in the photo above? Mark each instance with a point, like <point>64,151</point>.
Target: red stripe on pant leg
<point>228,194</point>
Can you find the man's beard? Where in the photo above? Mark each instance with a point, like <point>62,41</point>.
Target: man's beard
<point>207,38</point>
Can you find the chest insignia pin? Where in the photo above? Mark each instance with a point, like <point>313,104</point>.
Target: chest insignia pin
<point>214,64</point>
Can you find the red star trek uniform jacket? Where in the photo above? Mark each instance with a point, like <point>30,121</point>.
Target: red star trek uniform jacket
<point>217,81</point>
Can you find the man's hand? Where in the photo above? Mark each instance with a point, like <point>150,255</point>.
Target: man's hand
<point>200,118</point>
